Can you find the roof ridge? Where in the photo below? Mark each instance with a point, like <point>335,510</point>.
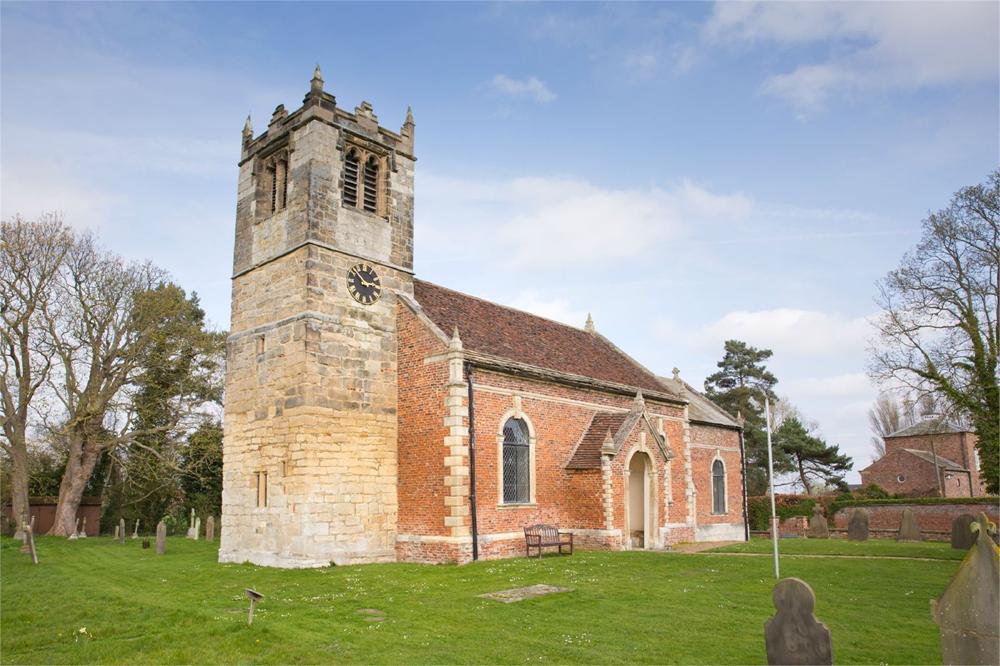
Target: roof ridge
<point>505,307</point>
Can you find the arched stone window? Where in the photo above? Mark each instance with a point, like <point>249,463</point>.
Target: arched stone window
<point>516,462</point>
<point>718,487</point>
<point>371,185</point>
<point>351,179</point>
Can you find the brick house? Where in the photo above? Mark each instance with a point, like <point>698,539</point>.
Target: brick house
<point>372,416</point>
<point>931,458</point>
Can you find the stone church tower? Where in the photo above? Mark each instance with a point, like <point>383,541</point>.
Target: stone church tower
<point>324,242</point>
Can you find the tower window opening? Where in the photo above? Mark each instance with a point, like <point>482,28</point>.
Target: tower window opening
<point>371,185</point>
<point>351,179</point>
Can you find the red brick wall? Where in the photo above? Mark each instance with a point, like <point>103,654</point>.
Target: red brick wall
<point>930,517</point>
<point>959,447</point>
<point>421,414</point>
<point>918,476</point>
<point>725,443</point>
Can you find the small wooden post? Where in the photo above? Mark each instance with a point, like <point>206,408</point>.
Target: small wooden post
<point>31,544</point>
<point>254,597</point>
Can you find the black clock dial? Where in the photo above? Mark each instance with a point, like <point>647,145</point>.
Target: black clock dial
<point>364,284</point>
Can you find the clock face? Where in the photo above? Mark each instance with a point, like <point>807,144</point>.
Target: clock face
<point>364,284</point>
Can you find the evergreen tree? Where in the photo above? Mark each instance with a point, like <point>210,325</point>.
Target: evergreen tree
<point>740,387</point>
<point>817,464</point>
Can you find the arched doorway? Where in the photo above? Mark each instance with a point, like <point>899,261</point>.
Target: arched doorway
<point>638,512</point>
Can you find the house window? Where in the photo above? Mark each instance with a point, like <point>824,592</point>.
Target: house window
<point>351,179</point>
<point>261,489</point>
<point>516,462</point>
<point>718,487</point>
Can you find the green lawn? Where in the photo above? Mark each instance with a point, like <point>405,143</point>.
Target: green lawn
<point>184,607</point>
<point>872,547</point>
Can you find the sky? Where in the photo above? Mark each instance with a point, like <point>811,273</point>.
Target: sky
<point>686,172</point>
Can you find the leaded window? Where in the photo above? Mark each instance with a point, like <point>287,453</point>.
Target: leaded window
<point>516,462</point>
<point>718,487</point>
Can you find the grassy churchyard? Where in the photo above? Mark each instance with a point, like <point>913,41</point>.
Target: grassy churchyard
<point>96,601</point>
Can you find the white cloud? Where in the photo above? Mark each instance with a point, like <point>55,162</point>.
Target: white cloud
<point>558,309</point>
<point>794,331</point>
<point>531,87</point>
<point>871,45</point>
<point>562,221</point>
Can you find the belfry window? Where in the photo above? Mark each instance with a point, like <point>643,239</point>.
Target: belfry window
<point>516,462</point>
<point>718,487</point>
<point>371,185</point>
<point>351,179</point>
<point>272,184</point>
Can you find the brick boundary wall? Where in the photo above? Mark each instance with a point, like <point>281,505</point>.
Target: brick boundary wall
<point>931,518</point>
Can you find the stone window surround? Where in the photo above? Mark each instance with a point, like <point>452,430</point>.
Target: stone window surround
<point>382,164</point>
<point>516,412</point>
<point>260,478</point>
<point>725,484</point>
<point>264,188</point>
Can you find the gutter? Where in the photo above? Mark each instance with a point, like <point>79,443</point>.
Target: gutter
<point>472,464</point>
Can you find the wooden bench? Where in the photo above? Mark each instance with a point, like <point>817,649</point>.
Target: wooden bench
<point>543,536</point>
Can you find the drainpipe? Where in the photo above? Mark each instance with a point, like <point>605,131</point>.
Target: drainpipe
<point>743,476</point>
<point>472,464</point>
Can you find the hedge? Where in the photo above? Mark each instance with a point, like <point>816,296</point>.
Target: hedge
<point>759,508</point>
<point>837,505</point>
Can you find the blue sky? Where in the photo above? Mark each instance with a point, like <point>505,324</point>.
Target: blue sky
<point>686,172</point>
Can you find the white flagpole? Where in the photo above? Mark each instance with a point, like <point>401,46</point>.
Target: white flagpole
<point>770,471</point>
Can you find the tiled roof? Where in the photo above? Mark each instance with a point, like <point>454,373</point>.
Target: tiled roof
<point>933,426</point>
<point>700,408</point>
<point>517,336</point>
<point>941,462</point>
<point>588,451</point>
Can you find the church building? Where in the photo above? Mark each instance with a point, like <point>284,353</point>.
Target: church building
<point>371,416</point>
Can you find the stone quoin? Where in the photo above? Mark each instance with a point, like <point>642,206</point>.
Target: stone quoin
<point>348,383</point>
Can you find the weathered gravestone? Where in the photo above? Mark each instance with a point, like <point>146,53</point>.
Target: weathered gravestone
<point>818,528</point>
<point>121,530</point>
<point>83,529</point>
<point>135,532</point>
<point>857,528</point>
<point>210,529</point>
<point>794,635</point>
<point>116,532</point>
<point>161,538</point>
<point>25,526</point>
<point>966,613</point>
<point>197,527</point>
<point>190,532</point>
<point>908,528</point>
<point>76,530</point>
<point>961,531</point>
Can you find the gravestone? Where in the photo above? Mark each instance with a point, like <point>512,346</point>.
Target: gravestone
<point>794,635</point>
<point>197,527</point>
<point>908,528</point>
<point>966,612</point>
<point>25,526</point>
<point>116,532</point>
<point>210,529</point>
<point>83,529</point>
<point>135,532</point>
<point>857,528</point>
<point>961,532</point>
<point>818,528</point>
<point>121,530</point>
<point>190,532</point>
<point>161,538</point>
<point>76,530</point>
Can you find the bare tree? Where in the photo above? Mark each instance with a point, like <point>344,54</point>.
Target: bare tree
<point>31,256</point>
<point>99,336</point>
<point>940,326</point>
